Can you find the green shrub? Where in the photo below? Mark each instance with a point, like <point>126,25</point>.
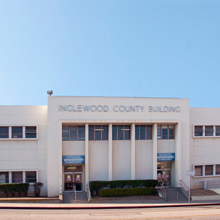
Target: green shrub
<point>95,186</point>
<point>13,188</point>
<point>128,192</point>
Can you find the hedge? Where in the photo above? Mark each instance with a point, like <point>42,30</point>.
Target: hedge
<point>20,188</point>
<point>98,185</point>
<point>128,192</point>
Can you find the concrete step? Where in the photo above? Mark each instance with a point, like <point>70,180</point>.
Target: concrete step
<point>175,194</point>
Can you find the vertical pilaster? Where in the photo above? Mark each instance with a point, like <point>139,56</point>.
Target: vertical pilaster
<point>133,151</point>
<point>177,165</point>
<point>110,152</point>
<point>154,151</point>
<point>86,155</point>
<point>10,177</point>
<point>60,154</point>
<point>24,176</point>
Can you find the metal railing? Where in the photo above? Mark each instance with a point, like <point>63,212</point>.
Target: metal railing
<point>213,184</point>
<point>162,192</point>
<point>185,189</point>
<point>74,190</point>
<point>88,193</point>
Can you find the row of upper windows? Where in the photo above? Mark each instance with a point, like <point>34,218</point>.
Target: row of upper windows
<point>18,177</point>
<point>200,131</point>
<point>119,132</point>
<point>18,132</point>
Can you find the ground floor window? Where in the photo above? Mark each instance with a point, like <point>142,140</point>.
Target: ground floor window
<point>4,177</point>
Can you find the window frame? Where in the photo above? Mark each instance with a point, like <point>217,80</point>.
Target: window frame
<point>25,135</point>
<point>123,132</point>
<point>205,133</point>
<point>145,132</point>
<point>101,132</point>
<point>160,129</point>
<point>77,132</point>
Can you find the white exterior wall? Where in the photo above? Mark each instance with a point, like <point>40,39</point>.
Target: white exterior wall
<point>98,160</point>
<point>144,159</point>
<point>124,165</point>
<point>25,154</point>
<point>204,150</point>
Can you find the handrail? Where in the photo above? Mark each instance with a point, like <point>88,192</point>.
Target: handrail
<point>74,189</point>
<point>88,193</point>
<point>163,192</point>
<point>184,186</point>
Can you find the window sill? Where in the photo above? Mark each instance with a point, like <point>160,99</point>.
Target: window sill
<point>202,137</point>
<point>208,176</point>
<point>18,139</point>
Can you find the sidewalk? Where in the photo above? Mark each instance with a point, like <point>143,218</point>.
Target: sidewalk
<point>46,204</point>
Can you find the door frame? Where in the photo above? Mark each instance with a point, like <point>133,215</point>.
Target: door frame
<point>64,181</point>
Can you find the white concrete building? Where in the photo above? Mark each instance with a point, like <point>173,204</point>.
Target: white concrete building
<point>74,140</point>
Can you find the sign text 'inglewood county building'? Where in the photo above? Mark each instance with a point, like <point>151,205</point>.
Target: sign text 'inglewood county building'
<point>117,108</point>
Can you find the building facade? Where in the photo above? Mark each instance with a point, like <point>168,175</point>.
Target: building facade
<point>75,140</point>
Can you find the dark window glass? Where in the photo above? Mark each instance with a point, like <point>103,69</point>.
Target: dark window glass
<point>91,133</point>
<point>17,132</point>
<point>217,169</point>
<point>120,132</point>
<point>149,132</point>
<point>4,177</point>
<point>164,132</point>
<point>217,130</point>
<point>65,133</point>
<point>208,170</point>
<point>158,132</point>
<point>81,133</point>
<point>31,177</point>
<point>30,132</point>
<point>73,133</point>
<point>142,132</point>
<point>127,132</point>
<point>171,132</point>
<point>198,170</point>
<point>137,127</point>
<point>3,132</point>
<point>104,132</point>
<point>98,132</point>
<point>17,177</point>
<point>198,131</point>
<point>114,132</point>
<point>208,130</point>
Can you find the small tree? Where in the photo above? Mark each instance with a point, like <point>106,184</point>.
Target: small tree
<point>37,188</point>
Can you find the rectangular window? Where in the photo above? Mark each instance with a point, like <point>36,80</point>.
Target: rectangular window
<point>198,130</point>
<point>121,132</point>
<point>98,132</point>
<point>143,132</point>
<point>31,132</point>
<point>198,171</point>
<point>73,133</point>
<point>208,170</point>
<point>4,177</point>
<point>31,176</point>
<point>217,130</point>
<point>65,133</point>
<point>166,132</point>
<point>217,169</point>
<point>4,132</point>
<point>209,130</point>
<point>17,132</point>
<point>17,177</point>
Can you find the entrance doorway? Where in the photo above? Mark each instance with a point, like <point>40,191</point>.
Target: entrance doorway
<point>73,176</point>
<point>164,173</point>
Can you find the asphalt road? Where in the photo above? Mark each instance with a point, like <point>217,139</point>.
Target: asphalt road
<point>186,213</point>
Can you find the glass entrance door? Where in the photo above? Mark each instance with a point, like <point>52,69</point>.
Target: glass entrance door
<point>78,181</point>
<point>164,173</point>
<point>68,182</point>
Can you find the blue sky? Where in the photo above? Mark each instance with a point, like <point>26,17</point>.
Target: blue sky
<point>137,48</point>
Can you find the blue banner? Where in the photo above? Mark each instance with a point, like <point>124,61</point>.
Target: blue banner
<point>166,157</point>
<point>73,159</point>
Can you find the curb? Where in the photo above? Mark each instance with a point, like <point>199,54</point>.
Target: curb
<point>109,207</point>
